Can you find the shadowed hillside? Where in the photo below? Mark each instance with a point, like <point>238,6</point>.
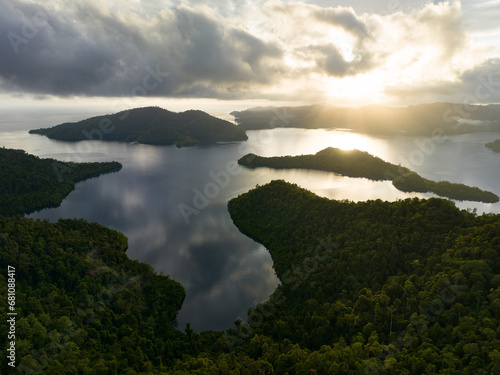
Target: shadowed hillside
<point>149,125</point>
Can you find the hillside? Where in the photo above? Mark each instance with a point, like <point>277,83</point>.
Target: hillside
<point>423,119</point>
<point>355,163</point>
<point>149,125</point>
<point>82,306</point>
<point>411,286</point>
<point>408,287</point>
<point>28,183</point>
<point>352,163</point>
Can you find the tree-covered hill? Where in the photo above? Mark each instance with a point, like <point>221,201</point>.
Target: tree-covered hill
<point>149,125</point>
<point>406,287</point>
<point>28,183</point>
<point>351,163</point>
<point>355,163</point>
<point>82,306</point>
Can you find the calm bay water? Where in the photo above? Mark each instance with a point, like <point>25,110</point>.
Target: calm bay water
<point>224,272</point>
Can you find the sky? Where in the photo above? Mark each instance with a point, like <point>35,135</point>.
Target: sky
<point>393,52</point>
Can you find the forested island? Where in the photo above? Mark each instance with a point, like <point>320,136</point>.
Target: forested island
<point>28,183</point>
<point>149,125</point>
<point>495,145</point>
<point>355,163</point>
<point>419,120</point>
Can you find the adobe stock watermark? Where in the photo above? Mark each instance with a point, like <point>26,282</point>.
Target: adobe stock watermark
<point>293,279</point>
<point>220,180</point>
<point>201,197</point>
<point>150,82</point>
<point>28,30</point>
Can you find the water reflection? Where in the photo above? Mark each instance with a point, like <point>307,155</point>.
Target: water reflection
<point>224,272</point>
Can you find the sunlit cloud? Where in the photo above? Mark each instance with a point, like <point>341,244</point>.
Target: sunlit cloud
<point>241,49</point>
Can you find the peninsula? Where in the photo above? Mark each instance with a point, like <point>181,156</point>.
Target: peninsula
<point>28,183</point>
<point>355,163</point>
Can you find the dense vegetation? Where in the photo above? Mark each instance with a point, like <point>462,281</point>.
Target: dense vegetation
<point>423,119</point>
<point>495,145</point>
<point>408,287</point>
<point>83,306</point>
<point>357,163</point>
<point>149,125</point>
<point>352,163</point>
<point>28,183</point>
<point>413,182</point>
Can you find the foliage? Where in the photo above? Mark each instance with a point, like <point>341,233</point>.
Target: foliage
<point>82,304</point>
<point>413,182</point>
<point>355,163</point>
<point>405,287</point>
<point>411,286</point>
<point>28,183</point>
<point>149,125</point>
<point>352,163</point>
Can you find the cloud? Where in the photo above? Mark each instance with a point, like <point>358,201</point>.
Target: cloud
<point>85,51</point>
<point>229,49</point>
<point>332,61</point>
<point>480,84</point>
<point>482,16</point>
<point>342,17</point>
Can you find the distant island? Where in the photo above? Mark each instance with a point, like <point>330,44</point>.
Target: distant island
<point>28,183</point>
<point>357,163</point>
<point>495,145</point>
<point>422,120</point>
<point>149,125</point>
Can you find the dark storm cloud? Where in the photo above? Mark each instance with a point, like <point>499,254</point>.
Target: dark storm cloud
<point>215,53</point>
<point>44,54</point>
<point>85,52</point>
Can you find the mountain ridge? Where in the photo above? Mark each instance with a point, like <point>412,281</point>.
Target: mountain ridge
<point>420,119</point>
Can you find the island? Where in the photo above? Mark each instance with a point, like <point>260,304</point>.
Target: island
<point>416,120</point>
<point>355,163</point>
<point>495,145</point>
<point>149,125</point>
<point>29,183</point>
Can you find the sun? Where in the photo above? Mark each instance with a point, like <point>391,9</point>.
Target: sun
<point>359,89</point>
